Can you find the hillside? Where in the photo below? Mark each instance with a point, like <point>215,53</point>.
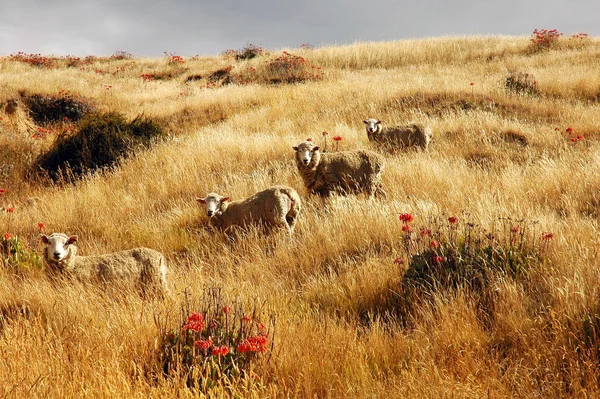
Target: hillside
<point>522,153</point>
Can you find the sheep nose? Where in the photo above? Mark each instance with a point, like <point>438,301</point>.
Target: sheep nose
<point>56,254</point>
<point>210,213</point>
<point>306,161</point>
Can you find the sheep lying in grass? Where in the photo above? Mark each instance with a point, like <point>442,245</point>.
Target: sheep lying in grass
<point>398,136</point>
<point>275,207</point>
<point>345,172</point>
<point>143,266</point>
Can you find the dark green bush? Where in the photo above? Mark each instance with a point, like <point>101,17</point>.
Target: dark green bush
<point>521,83</point>
<point>56,107</point>
<point>100,142</point>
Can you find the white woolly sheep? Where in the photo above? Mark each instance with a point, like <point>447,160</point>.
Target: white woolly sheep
<point>345,172</point>
<point>398,136</point>
<point>275,207</point>
<point>143,266</point>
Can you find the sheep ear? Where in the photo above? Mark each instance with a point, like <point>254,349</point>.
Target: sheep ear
<point>224,199</point>
<point>201,200</point>
<point>72,240</point>
<point>295,148</point>
<point>378,123</point>
<point>44,238</point>
<point>316,148</point>
<point>366,122</point>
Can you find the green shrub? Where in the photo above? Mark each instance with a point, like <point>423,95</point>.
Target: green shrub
<point>101,141</point>
<point>57,107</point>
<point>245,53</point>
<point>219,342</point>
<point>521,83</point>
<point>456,256</point>
<point>17,256</point>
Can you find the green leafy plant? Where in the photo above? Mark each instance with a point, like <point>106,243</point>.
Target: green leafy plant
<point>219,341</point>
<point>101,141</point>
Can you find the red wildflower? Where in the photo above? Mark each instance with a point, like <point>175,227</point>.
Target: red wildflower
<point>399,261</point>
<point>7,236</point>
<point>406,217</point>
<point>41,226</point>
<point>574,139</point>
<point>253,344</point>
<point>220,350</point>
<point>434,244</point>
<point>405,227</point>
<point>337,138</point>
<point>547,236</point>
<point>195,322</point>
<point>2,191</point>
<point>514,229</point>
<point>438,259</point>
<point>580,137</point>
<point>569,130</point>
<point>325,133</point>
<point>10,210</point>
<point>203,344</point>
<point>226,309</point>
<point>452,219</point>
<point>425,232</point>
<point>472,83</point>
<point>247,319</point>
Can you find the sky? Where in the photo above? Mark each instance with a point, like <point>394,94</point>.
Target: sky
<point>148,28</point>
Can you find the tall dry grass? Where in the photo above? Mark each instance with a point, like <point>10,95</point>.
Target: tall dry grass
<point>70,340</point>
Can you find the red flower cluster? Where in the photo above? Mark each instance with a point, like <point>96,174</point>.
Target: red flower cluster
<point>399,261</point>
<point>452,220</point>
<point>544,38</point>
<point>41,226</point>
<point>2,191</point>
<point>438,259</point>
<point>425,232</point>
<point>195,322</point>
<point>571,135</point>
<point>7,236</point>
<point>247,319</point>
<point>173,59</point>
<point>220,350</point>
<point>406,227</point>
<point>36,60</point>
<point>546,236</point>
<point>434,244</point>
<point>406,217</point>
<point>337,138</point>
<point>226,309</point>
<point>10,209</point>
<point>203,344</point>
<point>253,344</point>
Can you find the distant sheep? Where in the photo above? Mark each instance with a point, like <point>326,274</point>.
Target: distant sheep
<point>275,207</point>
<point>143,266</point>
<point>398,136</point>
<point>345,172</point>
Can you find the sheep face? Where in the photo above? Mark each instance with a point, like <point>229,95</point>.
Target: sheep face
<point>373,125</point>
<point>57,246</point>
<point>213,203</point>
<point>307,153</point>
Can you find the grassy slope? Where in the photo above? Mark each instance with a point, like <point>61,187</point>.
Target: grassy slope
<point>237,140</point>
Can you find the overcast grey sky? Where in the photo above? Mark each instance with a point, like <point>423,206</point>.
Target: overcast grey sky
<point>188,27</point>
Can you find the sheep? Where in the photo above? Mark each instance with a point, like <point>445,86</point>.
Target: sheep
<point>143,266</point>
<point>398,136</point>
<point>345,172</point>
<point>275,207</point>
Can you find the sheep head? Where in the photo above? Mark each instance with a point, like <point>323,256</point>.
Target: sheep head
<point>214,203</point>
<point>307,154</point>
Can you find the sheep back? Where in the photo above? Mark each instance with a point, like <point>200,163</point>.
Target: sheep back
<point>413,135</point>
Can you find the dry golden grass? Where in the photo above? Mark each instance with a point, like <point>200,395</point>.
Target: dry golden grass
<point>70,340</point>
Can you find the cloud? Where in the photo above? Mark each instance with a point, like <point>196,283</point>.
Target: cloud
<point>148,28</point>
